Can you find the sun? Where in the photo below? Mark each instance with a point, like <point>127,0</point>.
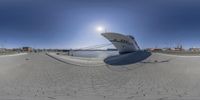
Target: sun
<point>100,29</point>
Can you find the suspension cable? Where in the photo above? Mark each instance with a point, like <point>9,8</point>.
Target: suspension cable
<point>96,46</point>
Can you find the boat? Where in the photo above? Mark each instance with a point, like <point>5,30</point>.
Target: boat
<point>123,43</point>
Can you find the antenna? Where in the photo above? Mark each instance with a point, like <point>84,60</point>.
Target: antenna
<point>106,30</point>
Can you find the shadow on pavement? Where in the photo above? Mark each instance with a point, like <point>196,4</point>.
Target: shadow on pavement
<point>129,58</point>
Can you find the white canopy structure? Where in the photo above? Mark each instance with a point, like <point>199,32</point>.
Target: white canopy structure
<point>124,44</point>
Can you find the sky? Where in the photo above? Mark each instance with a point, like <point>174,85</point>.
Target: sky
<point>72,23</point>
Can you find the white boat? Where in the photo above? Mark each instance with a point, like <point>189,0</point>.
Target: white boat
<point>124,43</point>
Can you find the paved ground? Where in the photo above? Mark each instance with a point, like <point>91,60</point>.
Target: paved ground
<point>40,77</point>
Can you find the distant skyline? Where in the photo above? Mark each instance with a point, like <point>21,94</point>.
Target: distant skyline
<point>72,23</point>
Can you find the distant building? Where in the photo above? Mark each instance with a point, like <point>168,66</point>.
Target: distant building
<point>154,49</point>
<point>17,49</point>
<point>157,50</point>
<point>2,49</point>
<point>194,49</point>
<point>166,49</point>
<point>179,48</point>
<point>27,49</point>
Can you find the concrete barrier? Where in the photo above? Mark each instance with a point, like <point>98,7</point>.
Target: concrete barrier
<point>10,55</point>
<point>77,61</point>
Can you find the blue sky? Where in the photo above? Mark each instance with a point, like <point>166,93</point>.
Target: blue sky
<point>72,23</point>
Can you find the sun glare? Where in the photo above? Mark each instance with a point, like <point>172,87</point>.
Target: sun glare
<point>100,29</point>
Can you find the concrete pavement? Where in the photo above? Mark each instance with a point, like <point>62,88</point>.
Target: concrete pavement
<point>41,77</point>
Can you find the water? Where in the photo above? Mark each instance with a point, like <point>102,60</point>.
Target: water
<point>94,54</point>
